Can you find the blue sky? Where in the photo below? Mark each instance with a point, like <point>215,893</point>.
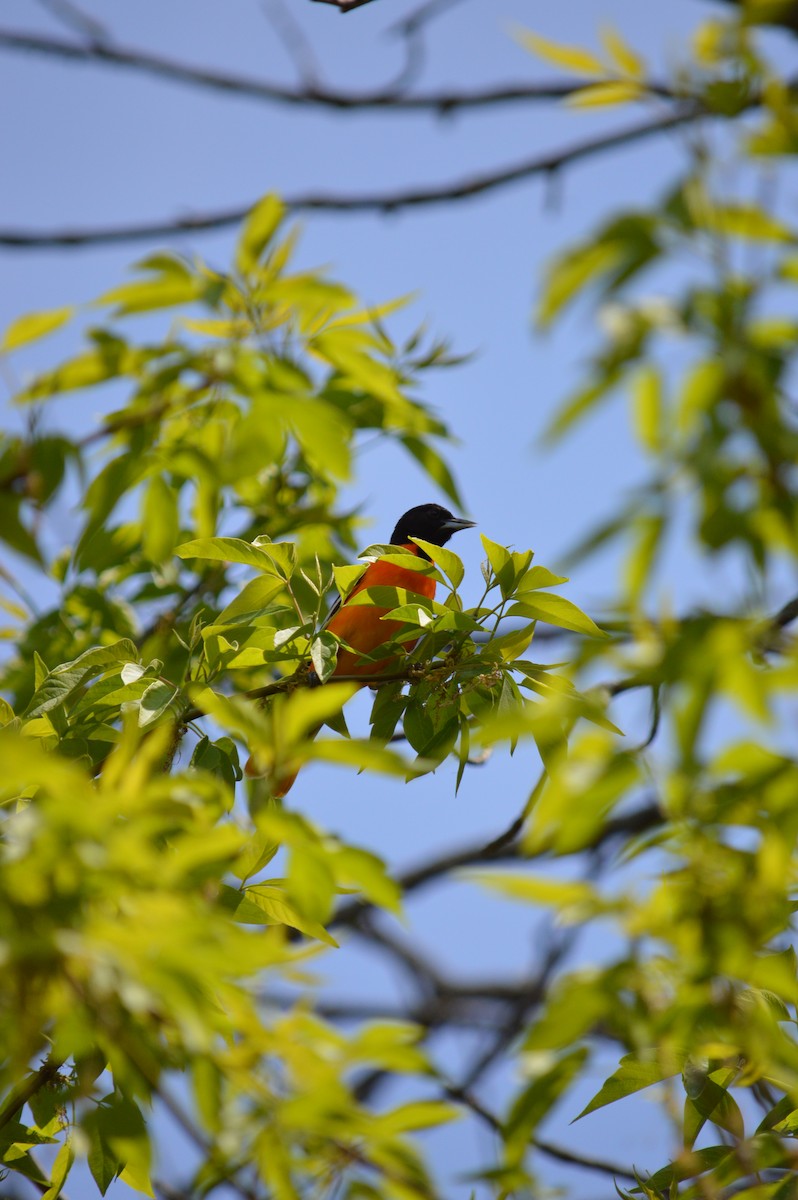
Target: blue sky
<point>91,146</point>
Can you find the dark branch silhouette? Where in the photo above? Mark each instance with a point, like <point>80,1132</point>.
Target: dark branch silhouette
<point>380,202</point>
<point>309,95</point>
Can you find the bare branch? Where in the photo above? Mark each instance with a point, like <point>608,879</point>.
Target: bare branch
<point>296,44</point>
<point>786,615</point>
<point>383,202</point>
<point>386,99</point>
<point>527,1000</point>
<point>75,19</point>
<point>649,816</point>
<point>560,1153</point>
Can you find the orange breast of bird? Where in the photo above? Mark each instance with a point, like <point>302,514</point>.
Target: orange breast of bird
<point>362,626</point>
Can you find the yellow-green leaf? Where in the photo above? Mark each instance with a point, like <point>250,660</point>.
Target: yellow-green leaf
<point>614,91</point>
<point>571,58</point>
<point>536,889</point>
<point>257,232</point>
<point>647,407</point>
<point>447,560</point>
<point>33,326</point>
<point>622,53</point>
<point>555,610</point>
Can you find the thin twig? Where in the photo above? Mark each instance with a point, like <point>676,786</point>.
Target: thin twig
<point>560,1153</point>
<point>299,50</point>
<point>388,99</point>
<point>647,817</point>
<point>381,202</point>
<point>75,19</point>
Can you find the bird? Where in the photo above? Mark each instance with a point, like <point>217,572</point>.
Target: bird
<point>361,627</point>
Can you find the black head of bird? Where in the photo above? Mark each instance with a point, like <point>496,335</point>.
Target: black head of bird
<point>430,522</point>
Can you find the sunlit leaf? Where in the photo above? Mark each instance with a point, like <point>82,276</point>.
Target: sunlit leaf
<point>34,326</point>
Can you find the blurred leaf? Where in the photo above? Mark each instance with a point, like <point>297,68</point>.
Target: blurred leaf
<point>233,550</point>
<point>34,326</point>
<point>572,58</point>
<point>267,904</point>
<point>647,407</point>
<point>622,53</point>
<point>611,92</point>
<point>536,1101</point>
<point>260,226</point>
<point>160,520</point>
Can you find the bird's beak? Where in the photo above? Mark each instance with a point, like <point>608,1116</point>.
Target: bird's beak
<point>455,523</point>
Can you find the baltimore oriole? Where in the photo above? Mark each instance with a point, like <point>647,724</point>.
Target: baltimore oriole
<point>361,626</point>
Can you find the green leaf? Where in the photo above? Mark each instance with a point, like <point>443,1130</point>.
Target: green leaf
<point>536,1101</point>
<point>166,289</point>
<point>536,889</point>
<point>65,680</point>
<point>555,610</point>
<point>102,1159</point>
<point>346,577</point>
<point>647,407</point>
<point>633,1075</point>
<point>155,701</point>
<point>232,550</point>
<point>267,904</point>
<point>220,757</point>
<point>447,560</point>
<point>160,520</point>
<point>368,873</point>
<point>745,221</point>
<point>539,577</point>
<point>571,273</point>
<point>501,563</point>
<point>629,62</point>
<point>602,94</point>
<point>707,1099</point>
<point>324,435</point>
<point>435,466</point>
<point>701,390</point>
<point>33,326</point>
<point>260,226</point>
<point>421,1114</point>
<point>60,1170</point>
<point>251,600</point>
<point>324,655</point>
<point>365,755</point>
<point>571,58</point>
<point>303,712</point>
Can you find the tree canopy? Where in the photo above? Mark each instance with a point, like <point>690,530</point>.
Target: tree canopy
<point>162,918</point>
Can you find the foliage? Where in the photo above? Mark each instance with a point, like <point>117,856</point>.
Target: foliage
<point>124,865</point>
<point>142,921</point>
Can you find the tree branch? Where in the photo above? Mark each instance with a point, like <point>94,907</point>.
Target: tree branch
<point>502,848</point>
<point>386,99</point>
<point>26,1090</point>
<point>560,1153</point>
<point>381,202</point>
